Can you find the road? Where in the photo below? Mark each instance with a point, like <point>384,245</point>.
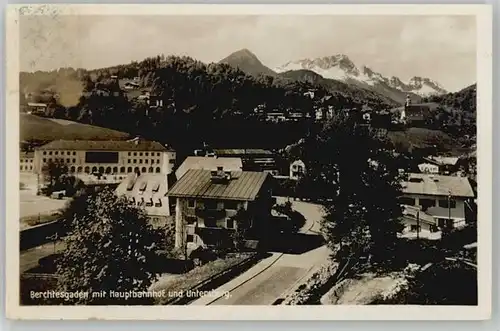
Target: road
<point>28,259</point>
<point>274,276</point>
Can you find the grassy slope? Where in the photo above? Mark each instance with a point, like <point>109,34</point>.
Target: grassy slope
<point>420,138</point>
<point>38,128</point>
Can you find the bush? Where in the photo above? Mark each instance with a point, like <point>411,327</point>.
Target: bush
<point>202,256</point>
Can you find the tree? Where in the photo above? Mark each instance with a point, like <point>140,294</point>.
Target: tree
<point>242,221</point>
<point>110,247</point>
<point>357,177</point>
<point>53,172</point>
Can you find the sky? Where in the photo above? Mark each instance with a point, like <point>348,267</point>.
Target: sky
<point>442,48</point>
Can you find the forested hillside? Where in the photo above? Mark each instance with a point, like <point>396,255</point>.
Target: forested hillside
<point>457,114</point>
<point>213,103</point>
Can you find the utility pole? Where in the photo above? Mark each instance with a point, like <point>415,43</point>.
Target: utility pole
<point>449,207</point>
<point>418,224</point>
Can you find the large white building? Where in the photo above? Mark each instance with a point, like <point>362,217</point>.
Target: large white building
<point>107,157</point>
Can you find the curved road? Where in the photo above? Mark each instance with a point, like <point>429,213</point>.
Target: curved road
<point>274,276</point>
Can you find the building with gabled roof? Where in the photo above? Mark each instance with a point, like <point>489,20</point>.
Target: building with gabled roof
<point>208,200</point>
<point>148,191</point>
<point>446,200</point>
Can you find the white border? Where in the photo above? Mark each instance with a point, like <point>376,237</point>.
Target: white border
<point>483,15</point>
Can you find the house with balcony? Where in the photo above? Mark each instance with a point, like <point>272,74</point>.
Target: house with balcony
<point>207,202</point>
<point>433,202</point>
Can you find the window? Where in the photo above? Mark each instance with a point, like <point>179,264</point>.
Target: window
<point>171,161</point>
<point>414,228</point>
<point>443,203</point>
<point>146,161</point>
<point>158,161</point>
<point>229,223</point>
<point>74,153</point>
<point>147,154</point>
<point>74,160</point>
<point>44,160</point>
<point>151,169</point>
<point>135,154</point>
<point>191,220</point>
<point>67,160</point>
<point>433,228</point>
<point>50,153</point>
<point>128,161</point>
<point>152,161</point>
<point>231,204</point>
<point>157,154</point>
<point>31,161</point>
<point>143,169</point>
<point>135,161</point>
<point>129,153</point>
<point>68,153</point>
<point>79,169</point>
<point>190,203</point>
<point>190,238</point>
<point>210,204</point>
<point>427,203</point>
<point>129,169</point>
<point>407,201</point>
<point>158,204</point>
<point>140,154</point>
<point>140,161</point>
<point>210,222</point>
<point>158,170</point>
<point>122,170</point>
<point>56,153</point>
<point>44,153</point>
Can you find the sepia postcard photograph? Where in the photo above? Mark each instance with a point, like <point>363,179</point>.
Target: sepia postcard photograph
<point>251,158</point>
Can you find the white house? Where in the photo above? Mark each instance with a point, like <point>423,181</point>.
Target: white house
<point>297,169</point>
<point>428,168</point>
<point>439,201</point>
<point>148,191</point>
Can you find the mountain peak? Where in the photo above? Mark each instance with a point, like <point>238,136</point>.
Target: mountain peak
<point>247,62</point>
<point>242,54</point>
<point>340,67</point>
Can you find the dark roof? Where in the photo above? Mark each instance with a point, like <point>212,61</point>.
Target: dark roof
<point>28,155</point>
<point>196,183</point>
<point>106,145</point>
<point>248,151</point>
